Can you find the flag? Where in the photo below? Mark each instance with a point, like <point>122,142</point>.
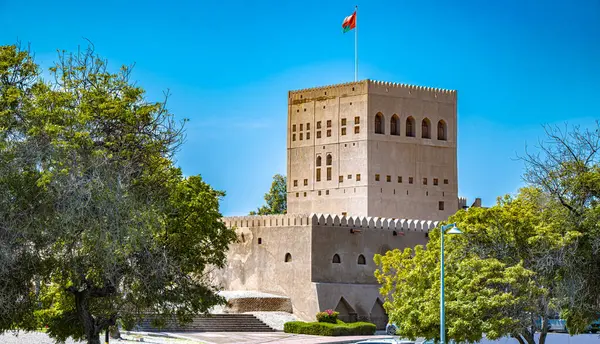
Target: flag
<point>349,22</point>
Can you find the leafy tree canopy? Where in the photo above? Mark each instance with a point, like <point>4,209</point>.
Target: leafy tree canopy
<point>96,222</point>
<point>276,198</point>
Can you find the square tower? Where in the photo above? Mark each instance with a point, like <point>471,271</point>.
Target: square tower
<point>372,148</point>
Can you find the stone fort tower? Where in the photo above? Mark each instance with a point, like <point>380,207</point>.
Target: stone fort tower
<point>372,148</point>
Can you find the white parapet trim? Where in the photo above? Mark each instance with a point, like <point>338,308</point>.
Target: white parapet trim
<point>366,222</point>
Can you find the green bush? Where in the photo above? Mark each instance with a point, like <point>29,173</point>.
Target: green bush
<point>328,329</point>
<point>328,316</point>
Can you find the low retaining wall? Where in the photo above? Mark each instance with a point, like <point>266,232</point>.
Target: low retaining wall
<point>259,304</point>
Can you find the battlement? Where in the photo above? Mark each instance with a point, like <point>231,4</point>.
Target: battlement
<point>329,87</point>
<point>377,83</point>
<point>364,222</point>
<point>462,203</point>
<point>371,86</point>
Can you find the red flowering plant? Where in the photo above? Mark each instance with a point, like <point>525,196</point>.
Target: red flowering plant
<point>328,316</point>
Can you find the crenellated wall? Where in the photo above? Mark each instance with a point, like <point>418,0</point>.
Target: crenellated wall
<point>412,91</point>
<point>366,222</point>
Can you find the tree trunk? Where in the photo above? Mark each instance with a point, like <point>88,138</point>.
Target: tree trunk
<point>529,337</point>
<point>82,299</point>
<point>544,330</point>
<point>519,338</point>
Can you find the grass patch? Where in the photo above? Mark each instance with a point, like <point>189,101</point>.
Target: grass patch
<point>327,329</point>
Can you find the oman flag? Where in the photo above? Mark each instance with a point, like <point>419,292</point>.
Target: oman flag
<point>349,22</point>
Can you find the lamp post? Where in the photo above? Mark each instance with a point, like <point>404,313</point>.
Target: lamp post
<point>453,230</point>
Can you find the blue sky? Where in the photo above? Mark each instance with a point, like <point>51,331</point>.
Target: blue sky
<point>229,64</point>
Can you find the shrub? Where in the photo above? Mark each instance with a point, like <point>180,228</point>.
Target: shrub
<point>329,316</point>
<point>329,329</point>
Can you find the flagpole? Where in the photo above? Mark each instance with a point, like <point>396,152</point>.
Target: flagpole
<point>356,46</point>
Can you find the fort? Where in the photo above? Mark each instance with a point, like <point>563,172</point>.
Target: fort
<point>371,167</point>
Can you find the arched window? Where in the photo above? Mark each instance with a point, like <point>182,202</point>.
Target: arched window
<point>288,257</point>
<point>410,127</point>
<point>329,159</point>
<point>395,125</point>
<point>361,260</point>
<point>336,259</point>
<point>379,124</point>
<point>441,130</point>
<point>318,161</point>
<point>425,129</point>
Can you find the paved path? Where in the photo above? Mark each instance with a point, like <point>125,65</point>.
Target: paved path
<point>267,337</point>
<point>286,338</point>
<point>43,338</point>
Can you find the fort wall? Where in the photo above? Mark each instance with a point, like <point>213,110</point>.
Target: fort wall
<point>259,261</point>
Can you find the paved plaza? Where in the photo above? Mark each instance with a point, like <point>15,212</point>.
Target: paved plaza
<point>260,338</point>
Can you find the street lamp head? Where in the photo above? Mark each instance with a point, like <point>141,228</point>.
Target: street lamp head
<point>454,230</point>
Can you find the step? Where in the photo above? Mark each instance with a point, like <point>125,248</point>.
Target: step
<point>215,323</point>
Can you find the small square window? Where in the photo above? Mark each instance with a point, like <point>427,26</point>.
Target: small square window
<point>297,194</point>
<point>349,176</point>
<point>307,126</point>
<point>343,131</point>
<point>343,121</point>
<point>376,177</point>
<point>295,183</point>
<point>358,177</point>
<point>319,192</point>
<point>356,129</point>
<point>399,179</point>
<point>341,179</point>
<point>308,136</point>
<point>328,132</point>
<point>305,182</point>
<point>304,110</point>
<point>326,192</point>
<point>410,180</point>
<point>441,205</point>
<point>328,123</point>
<point>445,181</point>
<point>424,181</point>
<point>435,181</point>
<point>319,134</point>
<point>357,120</point>
<point>388,179</point>
<point>301,136</point>
<point>293,137</point>
<point>319,125</point>
<point>293,127</point>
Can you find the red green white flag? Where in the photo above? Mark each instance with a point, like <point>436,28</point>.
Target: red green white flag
<point>349,22</point>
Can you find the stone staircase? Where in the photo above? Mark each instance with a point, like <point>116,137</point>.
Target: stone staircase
<point>214,323</point>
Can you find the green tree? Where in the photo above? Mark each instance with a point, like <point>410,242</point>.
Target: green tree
<point>519,263</point>
<point>494,285</point>
<point>276,198</point>
<point>566,166</point>
<point>96,222</point>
